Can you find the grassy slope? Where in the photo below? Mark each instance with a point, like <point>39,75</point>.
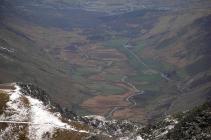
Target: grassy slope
<point>180,40</point>
<point>31,64</point>
<point>4,99</point>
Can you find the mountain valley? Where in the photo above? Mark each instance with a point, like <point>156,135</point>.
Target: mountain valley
<point>139,61</point>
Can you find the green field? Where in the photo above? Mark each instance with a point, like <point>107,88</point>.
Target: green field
<point>102,88</point>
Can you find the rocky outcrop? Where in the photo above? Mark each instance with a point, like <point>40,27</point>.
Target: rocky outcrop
<point>191,125</point>
<point>25,98</point>
<point>40,94</point>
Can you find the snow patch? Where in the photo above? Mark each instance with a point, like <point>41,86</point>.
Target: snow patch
<point>124,138</point>
<point>139,138</point>
<point>171,120</point>
<point>170,127</point>
<point>47,121</point>
<point>15,107</point>
<point>41,122</point>
<point>8,50</point>
<point>128,138</point>
<point>96,117</point>
<point>15,111</point>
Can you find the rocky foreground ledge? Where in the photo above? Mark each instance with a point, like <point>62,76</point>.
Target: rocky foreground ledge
<point>28,113</point>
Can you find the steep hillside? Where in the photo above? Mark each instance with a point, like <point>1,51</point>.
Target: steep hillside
<point>183,48</point>
<point>194,124</point>
<point>23,60</point>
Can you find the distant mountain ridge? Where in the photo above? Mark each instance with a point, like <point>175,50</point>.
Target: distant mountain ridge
<point>114,7</point>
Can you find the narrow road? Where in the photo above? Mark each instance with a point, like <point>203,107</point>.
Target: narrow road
<point>143,63</point>
<point>137,58</point>
<point>136,92</point>
<point>30,123</point>
<point>128,99</point>
<point>110,113</point>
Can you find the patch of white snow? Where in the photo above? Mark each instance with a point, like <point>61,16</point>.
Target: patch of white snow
<point>8,50</point>
<point>38,117</point>
<point>139,138</point>
<point>96,117</point>
<point>47,120</point>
